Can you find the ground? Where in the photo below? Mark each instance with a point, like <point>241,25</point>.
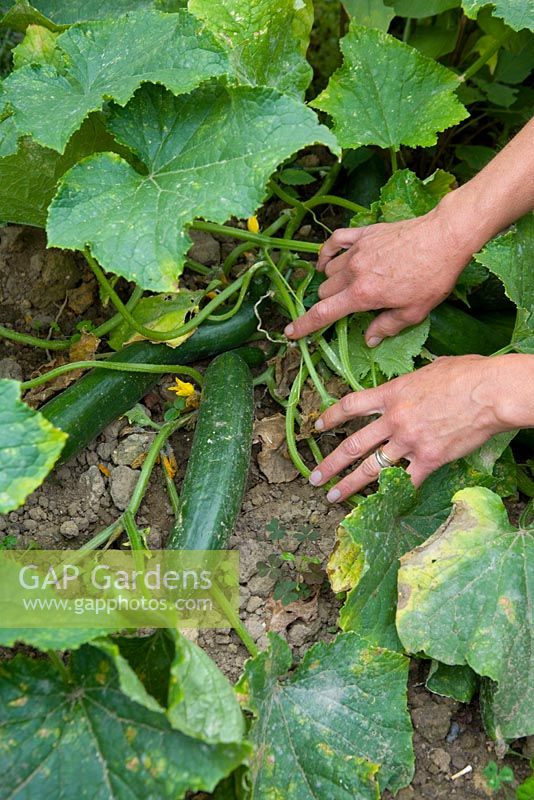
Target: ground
<point>40,288</point>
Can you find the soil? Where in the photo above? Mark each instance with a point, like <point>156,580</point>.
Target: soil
<point>82,497</point>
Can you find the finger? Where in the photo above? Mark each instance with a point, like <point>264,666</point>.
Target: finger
<point>389,323</point>
<point>334,285</point>
<point>366,473</point>
<point>342,238</point>
<point>356,404</point>
<point>339,264</point>
<point>321,314</point>
<point>418,473</point>
<point>352,448</point>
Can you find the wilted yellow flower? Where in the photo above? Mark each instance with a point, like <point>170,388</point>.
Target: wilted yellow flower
<point>253,225</point>
<point>182,388</point>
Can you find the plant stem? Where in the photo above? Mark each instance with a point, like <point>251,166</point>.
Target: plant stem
<point>161,369</point>
<point>174,498</point>
<point>196,266</point>
<point>393,157</point>
<point>233,257</point>
<point>484,58</point>
<point>34,341</point>
<point>136,542</point>
<point>59,664</point>
<point>161,437</point>
<point>181,330</point>
<point>116,319</point>
<point>101,538</point>
<point>325,199</point>
<point>234,619</point>
<point>257,238</point>
<point>343,341</point>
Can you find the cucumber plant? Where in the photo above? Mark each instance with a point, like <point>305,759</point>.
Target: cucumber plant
<point>122,131</point>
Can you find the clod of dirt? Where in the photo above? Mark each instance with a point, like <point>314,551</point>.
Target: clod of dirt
<point>132,450</point>
<point>9,368</point>
<point>205,248</point>
<point>273,458</point>
<point>122,484</point>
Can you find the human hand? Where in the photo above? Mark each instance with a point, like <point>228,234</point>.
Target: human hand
<point>432,416</point>
<point>406,267</point>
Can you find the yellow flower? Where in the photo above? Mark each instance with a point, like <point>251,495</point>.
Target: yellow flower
<point>182,388</point>
<point>253,225</point>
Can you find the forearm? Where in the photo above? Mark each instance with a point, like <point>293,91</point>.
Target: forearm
<point>501,193</point>
<point>512,377</point>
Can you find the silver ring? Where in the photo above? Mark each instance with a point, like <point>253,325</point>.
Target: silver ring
<point>383,460</point>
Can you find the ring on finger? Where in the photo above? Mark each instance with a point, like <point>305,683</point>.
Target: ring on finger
<point>383,460</point>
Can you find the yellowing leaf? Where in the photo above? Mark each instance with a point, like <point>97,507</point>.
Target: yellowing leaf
<point>160,312</point>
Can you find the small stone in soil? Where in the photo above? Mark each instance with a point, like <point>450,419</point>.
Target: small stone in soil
<point>69,529</point>
<point>123,480</point>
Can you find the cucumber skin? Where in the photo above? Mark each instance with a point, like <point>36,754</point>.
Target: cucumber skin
<point>454,332</point>
<point>216,474</point>
<point>86,407</point>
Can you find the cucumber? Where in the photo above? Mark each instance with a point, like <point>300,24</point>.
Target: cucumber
<point>455,333</point>
<point>216,474</point>
<point>85,408</point>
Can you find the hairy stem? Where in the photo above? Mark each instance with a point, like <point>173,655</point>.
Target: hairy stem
<point>119,366</point>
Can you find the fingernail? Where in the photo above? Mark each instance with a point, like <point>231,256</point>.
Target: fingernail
<point>333,495</point>
<point>319,425</point>
<point>316,477</point>
<point>289,330</point>
<point>373,341</point>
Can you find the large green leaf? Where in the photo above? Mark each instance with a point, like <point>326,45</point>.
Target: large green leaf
<point>30,174</point>
<point>202,702</point>
<point>85,737</point>
<point>393,356</point>
<point>418,9</point>
<point>465,597</point>
<point>109,59</point>
<point>29,447</point>
<point>150,657</point>
<point>510,257</point>
<point>458,681</point>
<point>323,731</point>
<point>517,14</point>
<point>49,638</point>
<point>370,13</point>
<point>370,105</point>
<point>58,14</point>
<point>266,40</point>
<point>208,154</point>
<point>386,525</point>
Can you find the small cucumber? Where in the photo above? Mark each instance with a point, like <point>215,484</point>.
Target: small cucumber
<point>216,474</point>
<point>85,408</point>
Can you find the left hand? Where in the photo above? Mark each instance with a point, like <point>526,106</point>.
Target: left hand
<point>432,416</point>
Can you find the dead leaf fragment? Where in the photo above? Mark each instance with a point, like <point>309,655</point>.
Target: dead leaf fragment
<point>284,616</point>
<point>82,297</point>
<point>273,458</point>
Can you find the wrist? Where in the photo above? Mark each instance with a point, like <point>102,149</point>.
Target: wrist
<point>468,225</point>
<point>510,384</point>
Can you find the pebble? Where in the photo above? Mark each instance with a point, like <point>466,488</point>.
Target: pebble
<point>36,513</point>
<point>254,603</point>
<point>69,529</point>
<point>30,525</point>
<point>92,487</point>
<point>255,627</point>
<point>298,634</point>
<point>122,484</point>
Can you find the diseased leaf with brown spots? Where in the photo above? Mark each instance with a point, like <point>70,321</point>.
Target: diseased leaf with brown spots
<point>465,597</point>
<point>336,728</point>
<point>88,733</point>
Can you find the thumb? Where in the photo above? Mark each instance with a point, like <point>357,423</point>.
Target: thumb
<point>388,323</point>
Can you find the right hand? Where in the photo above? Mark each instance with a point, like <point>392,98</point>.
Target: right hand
<point>406,268</point>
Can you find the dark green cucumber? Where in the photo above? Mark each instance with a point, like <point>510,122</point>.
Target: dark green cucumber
<point>100,396</point>
<point>216,474</point>
<point>454,332</point>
